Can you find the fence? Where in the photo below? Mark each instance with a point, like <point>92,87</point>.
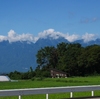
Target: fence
<point>47,91</point>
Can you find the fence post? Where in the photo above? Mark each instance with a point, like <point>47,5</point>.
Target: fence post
<point>71,94</point>
<point>47,96</point>
<point>19,97</point>
<point>92,93</point>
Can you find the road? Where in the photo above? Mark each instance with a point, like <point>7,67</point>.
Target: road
<point>98,97</point>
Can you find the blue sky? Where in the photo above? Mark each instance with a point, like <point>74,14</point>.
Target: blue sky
<point>76,17</point>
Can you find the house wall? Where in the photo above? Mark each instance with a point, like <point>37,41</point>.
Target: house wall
<point>57,74</point>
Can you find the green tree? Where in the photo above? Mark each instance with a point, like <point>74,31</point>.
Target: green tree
<point>72,54</point>
<point>15,75</point>
<point>93,59</point>
<point>71,58</point>
<point>46,59</point>
<point>61,50</point>
<point>89,60</point>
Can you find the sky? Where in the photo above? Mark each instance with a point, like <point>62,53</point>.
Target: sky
<point>31,19</point>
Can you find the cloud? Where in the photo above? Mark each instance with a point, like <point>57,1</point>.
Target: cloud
<point>72,38</point>
<point>88,37</point>
<point>51,33</point>
<point>3,38</point>
<point>55,35</point>
<point>13,37</point>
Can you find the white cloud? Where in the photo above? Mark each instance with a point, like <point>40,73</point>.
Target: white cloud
<point>3,38</point>
<point>88,37</point>
<point>13,36</point>
<point>72,38</point>
<point>55,35</point>
<point>50,33</point>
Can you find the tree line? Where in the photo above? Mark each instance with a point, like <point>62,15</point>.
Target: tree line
<point>73,59</point>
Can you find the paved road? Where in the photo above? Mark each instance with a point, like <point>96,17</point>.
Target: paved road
<point>91,98</point>
<point>83,98</point>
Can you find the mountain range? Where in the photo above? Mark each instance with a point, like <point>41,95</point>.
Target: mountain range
<point>21,55</point>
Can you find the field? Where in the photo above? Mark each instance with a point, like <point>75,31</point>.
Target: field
<point>51,82</point>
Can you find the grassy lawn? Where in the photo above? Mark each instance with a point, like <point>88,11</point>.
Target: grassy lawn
<point>52,82</point>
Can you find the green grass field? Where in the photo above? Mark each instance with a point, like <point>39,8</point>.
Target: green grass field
<point>52,82</point>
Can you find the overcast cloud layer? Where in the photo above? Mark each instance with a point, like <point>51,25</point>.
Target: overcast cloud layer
<point>13,36</point>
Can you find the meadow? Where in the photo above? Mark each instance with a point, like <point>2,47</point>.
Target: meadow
<point>51,82</point>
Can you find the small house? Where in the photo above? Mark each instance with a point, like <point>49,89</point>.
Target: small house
<point>57,73</point>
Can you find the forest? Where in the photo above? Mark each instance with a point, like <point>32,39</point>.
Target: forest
<point>73,59</point>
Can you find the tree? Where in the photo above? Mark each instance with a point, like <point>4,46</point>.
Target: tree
<point>70,58</point>
<point>46,59</point>
<point>15,75</point>
<point>93,59</point>
<point>30,73</point>
<point>61,50</point>
<point>72,54</point>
